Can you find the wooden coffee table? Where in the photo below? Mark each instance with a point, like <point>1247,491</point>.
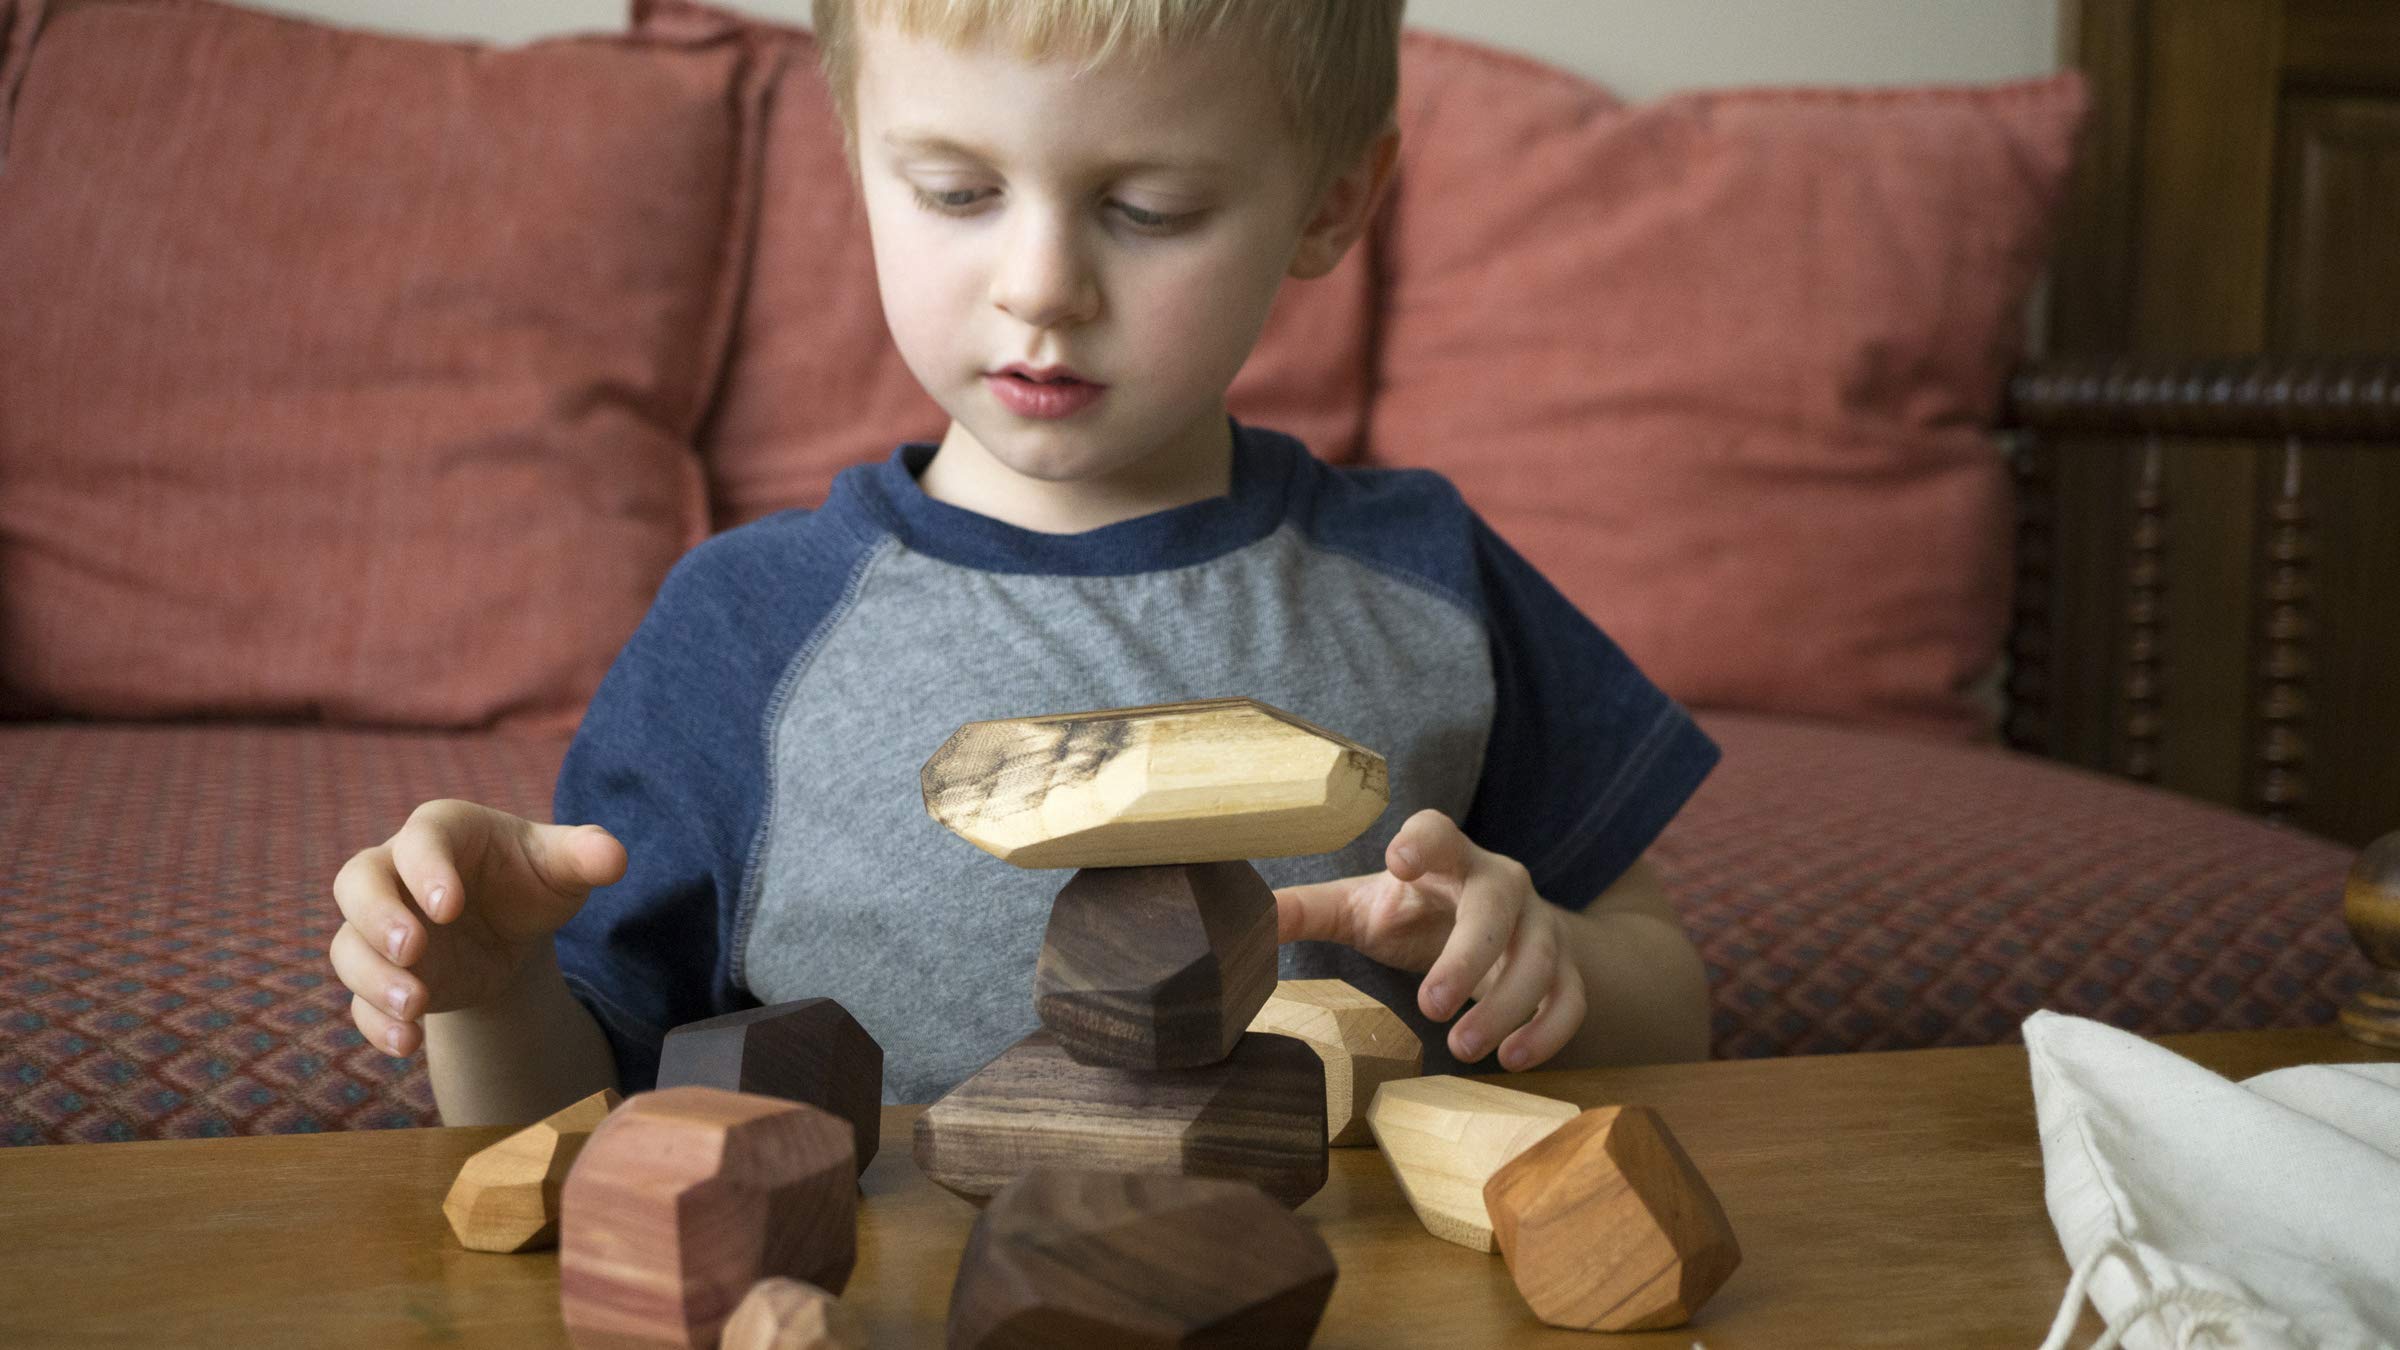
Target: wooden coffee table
<point>1881,1200</point>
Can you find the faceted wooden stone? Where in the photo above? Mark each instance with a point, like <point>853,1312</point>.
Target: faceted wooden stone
<point>1156,967</point>
<point>1077,1258</point>
<point>1607,1225</point>
<point>811,1050</point>
<point>1207,781</point>
<point>1363,1043</point>
<point>1445,1136</point>
<point>786,1314</point>
<point>506,1197</point>
<point>1258,1115</point>
<point>686,1197</point>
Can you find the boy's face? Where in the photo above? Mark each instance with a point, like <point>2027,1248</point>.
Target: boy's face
<point>1128,227</point>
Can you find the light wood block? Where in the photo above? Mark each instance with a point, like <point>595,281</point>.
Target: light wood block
<point>686,1197</point>
<point>1077,1258</point>
<point>1258,1115</point>
<point>810,1050</point>
<point>1607,1225</point>
<point>787,1314</point>
<point>1207,781</point>
<point>1445,1136</point>
<point>506,1197</point>
<point>1363,1043</point>
<point>1156,967</point>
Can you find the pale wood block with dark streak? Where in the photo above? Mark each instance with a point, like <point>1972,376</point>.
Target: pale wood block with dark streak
<point>1074,1258</point>
<point>1607,1225</point>
<point>686,1197</point>
<point>1156,967</point>
<point>809,1050</point>
<point>1257,1116</point>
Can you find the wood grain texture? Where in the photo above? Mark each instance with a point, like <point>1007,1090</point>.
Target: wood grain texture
<point>1156,967</point>
<point>780,1313</point>
<point>1607,1225</point>
<point>1205,781</point>
<point>1258,1116</point>
<point>2371,905</point>
<point>1139,1262</point>
<point>506,1197</point>
<point>1908,1184</point>
<point>1445,1136</point>
<point>686,1197</point>
<point>809,1050</point>
<point>1363,1043</point>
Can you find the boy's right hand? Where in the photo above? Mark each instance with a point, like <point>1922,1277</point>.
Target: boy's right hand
<point>494,886</point>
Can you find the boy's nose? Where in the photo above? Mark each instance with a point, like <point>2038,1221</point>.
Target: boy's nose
<point>1043,280</point>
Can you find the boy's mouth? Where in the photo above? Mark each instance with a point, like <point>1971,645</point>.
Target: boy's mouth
<point>1050,393</point>
<point>1040,375</point>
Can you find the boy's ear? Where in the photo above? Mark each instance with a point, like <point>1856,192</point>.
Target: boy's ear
<point>1346,207</point>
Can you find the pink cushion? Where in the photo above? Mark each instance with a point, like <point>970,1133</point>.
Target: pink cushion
<point>816,383</point>
<point>352,377</point>
<point>1718,364</point>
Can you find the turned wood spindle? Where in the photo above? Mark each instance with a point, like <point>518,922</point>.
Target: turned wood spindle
<point>2284,668</point>
<point>2030,626</point>
<point>2146,620</point>
<point>2371,903</point>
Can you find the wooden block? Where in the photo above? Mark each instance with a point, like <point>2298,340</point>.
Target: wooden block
<point>1258,1115</point>
<point>810,1051</point>
<point>786,1314</point>
<point>1363,1043</point>
<point>1445,1137</point>
<point>1077,1258</point>
<point>1607,1225</point>
<point>506,1197</point>
<point>1156,967</point>
<point>686,1197</point>
<point>1210,781</point>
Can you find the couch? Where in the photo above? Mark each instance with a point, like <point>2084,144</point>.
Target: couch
<point>357,391</point>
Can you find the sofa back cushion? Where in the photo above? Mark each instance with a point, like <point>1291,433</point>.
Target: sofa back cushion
<point>816,384</point>
<point>1721,364</point>
<point>351,377</point>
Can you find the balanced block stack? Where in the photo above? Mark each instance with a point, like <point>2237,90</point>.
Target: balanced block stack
<point>1160,947</point>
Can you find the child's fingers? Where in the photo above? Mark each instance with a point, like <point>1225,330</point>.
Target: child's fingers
<point>368,892</point>
<point>383,1031</point>
<point>1427,842</point>
<point>1488,913</point>
<point>426,854</point>
<point>1523,981</point>
<point>374,981</point>
<point>1316,912</point>
<point>1561,1017</point>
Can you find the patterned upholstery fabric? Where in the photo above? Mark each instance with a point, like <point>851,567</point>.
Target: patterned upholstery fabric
<point>166,901</point>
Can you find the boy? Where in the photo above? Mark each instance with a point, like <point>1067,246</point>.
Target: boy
<point>1081,211</point>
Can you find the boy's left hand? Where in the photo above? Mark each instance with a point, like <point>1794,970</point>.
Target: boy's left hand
<point>1470,919</point>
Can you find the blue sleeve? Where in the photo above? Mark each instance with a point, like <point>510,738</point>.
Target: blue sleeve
<point>671,758</point>
<point>1588,760</point>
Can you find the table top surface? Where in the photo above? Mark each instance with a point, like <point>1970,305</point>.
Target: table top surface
<point>1880,1200</point>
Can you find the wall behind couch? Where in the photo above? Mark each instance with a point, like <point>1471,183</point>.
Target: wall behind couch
<point>1636,47</point>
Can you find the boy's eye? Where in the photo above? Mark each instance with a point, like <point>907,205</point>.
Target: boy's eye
<point>1151,220</point>
<point>954,201</point>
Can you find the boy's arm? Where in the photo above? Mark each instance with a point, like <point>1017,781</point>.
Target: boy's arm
<point>519,1058</point>
<point>1642,978</point>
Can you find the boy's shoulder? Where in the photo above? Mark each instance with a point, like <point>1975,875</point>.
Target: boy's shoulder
<point>1410,522</point>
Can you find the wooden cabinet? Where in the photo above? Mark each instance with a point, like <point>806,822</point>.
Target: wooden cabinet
<point>2225,616</point>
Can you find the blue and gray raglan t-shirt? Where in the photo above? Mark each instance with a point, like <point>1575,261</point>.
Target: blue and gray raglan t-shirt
<point>757,744</point>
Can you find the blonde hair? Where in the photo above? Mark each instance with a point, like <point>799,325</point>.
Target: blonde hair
<point>1336,62</point>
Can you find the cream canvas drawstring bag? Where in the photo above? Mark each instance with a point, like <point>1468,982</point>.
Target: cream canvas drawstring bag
<point>2200,1212</point>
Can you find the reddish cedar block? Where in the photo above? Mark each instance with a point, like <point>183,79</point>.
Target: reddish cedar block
<point>686,1197</point>
<point>1156,967</point>
<point>1077,1258</point>
<point>506,1197</point>
<point>1607,1225</point>
<point>1257,1116</point>
<point>785,1314</point>
<point>809,1051</point>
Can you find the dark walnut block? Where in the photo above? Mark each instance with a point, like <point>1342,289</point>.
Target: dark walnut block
<point>1156,967</point>
<point>1126,1260</point>
<point>685,1198</point>
<point>1607,1225</point>
<point>1258,1115</point>
<point>811,1050</point>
